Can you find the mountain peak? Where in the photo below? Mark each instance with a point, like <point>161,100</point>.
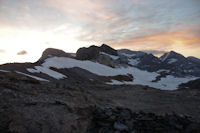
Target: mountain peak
<point>107,49</point>
<point>93,51</point>
<point>104,45</point>
<point>171,54</point>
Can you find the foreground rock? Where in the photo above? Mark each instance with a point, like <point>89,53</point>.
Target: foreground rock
<point>123,120</point>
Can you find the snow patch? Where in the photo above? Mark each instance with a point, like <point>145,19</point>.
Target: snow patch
<point>165,57</point>
<point>115,82</point>
<point>172,60</point>
<point>134,62</point>
<point>163,70</point>
<point>167,83</point>
<point>47,71</point>
<point>35,77</point>
<point>128,55</point>
<point>111,56</point>
<point>73,55</point>
<point>4,71</point>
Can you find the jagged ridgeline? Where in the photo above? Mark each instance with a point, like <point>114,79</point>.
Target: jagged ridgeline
<point>105,65</point>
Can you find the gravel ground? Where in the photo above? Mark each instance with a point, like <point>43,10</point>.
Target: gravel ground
<point>27,105</point>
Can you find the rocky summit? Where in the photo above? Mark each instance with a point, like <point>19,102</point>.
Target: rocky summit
<point>101,90</point>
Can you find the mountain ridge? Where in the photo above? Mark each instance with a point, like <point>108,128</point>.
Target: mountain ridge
<point>104,64</point>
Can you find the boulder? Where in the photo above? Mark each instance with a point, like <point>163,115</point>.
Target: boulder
<point>88,53</point>
<point>50,52</point>
<point>106,60</point>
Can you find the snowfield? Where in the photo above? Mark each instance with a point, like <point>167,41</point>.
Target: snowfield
<point>168,83</point>
<point>140,76</point>
<point>47,71</point>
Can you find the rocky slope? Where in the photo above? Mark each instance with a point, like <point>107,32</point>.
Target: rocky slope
<point>29,106</point>
<point>123,120</point>
<point>193,84</point>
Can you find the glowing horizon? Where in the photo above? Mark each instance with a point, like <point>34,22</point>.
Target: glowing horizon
<point>28,27</point>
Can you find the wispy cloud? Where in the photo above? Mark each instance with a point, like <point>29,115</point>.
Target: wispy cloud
<point>2,51</point>
<point>23,52</point>
<point>69,24</point>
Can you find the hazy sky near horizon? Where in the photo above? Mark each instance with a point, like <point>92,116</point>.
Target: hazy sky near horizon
<point>27,27</point>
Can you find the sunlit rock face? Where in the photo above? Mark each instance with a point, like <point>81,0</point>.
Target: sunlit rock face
<point>51,52</point>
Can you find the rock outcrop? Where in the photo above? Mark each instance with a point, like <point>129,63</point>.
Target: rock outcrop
<point>51,52</point>
<point>87,53</point>
<point>107,49</point>
<point>194,84</point>
<point>106,60</point>
<point>92,52</point>
<point>123,120</point>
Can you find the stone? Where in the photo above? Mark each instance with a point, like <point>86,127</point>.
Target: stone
<point>120,126</point>
<point>125,114</point>
<point>87,53</point>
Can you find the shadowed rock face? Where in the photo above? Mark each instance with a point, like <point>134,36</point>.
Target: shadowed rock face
<point>92,52</point>
<point>194,84</point>
<point>194,60</point>
<point>87,53</point>
<point>105,48</point>
<point>106,60</point>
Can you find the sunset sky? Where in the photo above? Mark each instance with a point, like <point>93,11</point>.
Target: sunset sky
<point>27,27</point>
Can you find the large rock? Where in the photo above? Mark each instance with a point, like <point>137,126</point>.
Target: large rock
<point>140,122</point>
<point>88,53</point>
<point>50,52</point>
<point>92,52</point>
<point>106,60</point>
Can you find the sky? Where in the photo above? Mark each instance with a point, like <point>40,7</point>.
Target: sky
<point>28,27</point>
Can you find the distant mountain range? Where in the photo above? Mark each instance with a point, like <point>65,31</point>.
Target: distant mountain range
<point>109,66</point>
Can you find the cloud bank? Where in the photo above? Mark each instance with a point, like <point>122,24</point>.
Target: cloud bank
<point>149,25</point>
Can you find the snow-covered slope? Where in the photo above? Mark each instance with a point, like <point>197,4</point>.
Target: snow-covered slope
<point>140,76</point>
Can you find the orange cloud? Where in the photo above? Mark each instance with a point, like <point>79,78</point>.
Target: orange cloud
<point>185,41</point>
